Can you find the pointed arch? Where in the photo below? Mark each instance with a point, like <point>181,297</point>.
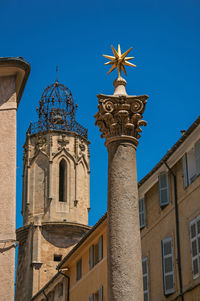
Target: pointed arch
<point>62,181</point>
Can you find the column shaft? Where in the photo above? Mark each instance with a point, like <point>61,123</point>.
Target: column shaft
<point>124,246</point>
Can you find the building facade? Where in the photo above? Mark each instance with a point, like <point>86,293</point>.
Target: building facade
<point>14,73</point>
<point>169,215</point>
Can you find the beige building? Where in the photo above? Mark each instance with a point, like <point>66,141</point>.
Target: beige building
<point>14,73</point>
<point>169,214</point>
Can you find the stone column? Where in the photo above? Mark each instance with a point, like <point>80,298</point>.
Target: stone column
<point>13,75</point>
<point>119,119</point>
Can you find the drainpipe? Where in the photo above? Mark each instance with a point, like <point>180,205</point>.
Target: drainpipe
<point>177,231</point>
<point>68,283</point>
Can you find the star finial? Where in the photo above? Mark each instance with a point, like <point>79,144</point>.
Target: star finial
<point>119,60</point>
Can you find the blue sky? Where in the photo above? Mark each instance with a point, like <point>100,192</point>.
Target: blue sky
<point>165,36</point>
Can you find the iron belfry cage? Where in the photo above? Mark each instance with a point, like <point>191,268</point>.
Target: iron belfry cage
<point>57,112</point>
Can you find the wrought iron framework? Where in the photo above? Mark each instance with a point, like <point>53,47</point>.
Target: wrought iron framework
<point>57,111</point>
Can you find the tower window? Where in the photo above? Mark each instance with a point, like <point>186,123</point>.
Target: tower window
<point>57,257</point>
<point>62,181</point>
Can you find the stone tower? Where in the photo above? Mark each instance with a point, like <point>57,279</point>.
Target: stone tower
<point>55,199</point>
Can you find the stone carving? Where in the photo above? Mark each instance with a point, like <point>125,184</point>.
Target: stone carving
<point>62,142</point>
<point>120,115</point>
<point>82,146</point>
<point>40,144</point>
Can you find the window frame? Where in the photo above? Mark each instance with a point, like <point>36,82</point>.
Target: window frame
<point>192,239</point>
<point>96,252</point>
<point>62,183</point>
<point>79,269</point>
<point>165,274</point>
<point>160,188</point>
<point>145,260</point>
<point>142,213</point>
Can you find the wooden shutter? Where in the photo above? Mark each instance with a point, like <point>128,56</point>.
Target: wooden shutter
<point>197,156</point>
<point>168,266</point>
<point>91,297</point>
<point>142,213</point>
<point>195,246</point>
<point>145,273</point>
<point>101,293</point>
<point>163,189</point>
<point>91,257</point>
<point>79,270</point>
<point>100,245</point>
<point>185,171</point>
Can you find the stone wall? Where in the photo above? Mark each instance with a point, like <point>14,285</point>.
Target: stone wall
<point>8,108</point>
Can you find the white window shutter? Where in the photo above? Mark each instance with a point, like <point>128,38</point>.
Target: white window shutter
<point>195,248</point>
<point>145,273</point>
<point>91,297</point>
<point>101,293</point>
<point>100,245</point>
<point>168,266</point>
<point>163,189</point>
<point>142,213</point>
<point>197,156</point>
<point>91,257</point>
<point>185,171</point>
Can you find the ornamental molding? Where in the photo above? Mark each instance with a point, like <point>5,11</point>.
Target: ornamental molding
<point>120,115</point>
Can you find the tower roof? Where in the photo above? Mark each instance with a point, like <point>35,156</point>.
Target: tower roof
<point>57,111</point>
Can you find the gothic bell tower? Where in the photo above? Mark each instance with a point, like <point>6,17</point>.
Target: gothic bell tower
<point>55,201</point>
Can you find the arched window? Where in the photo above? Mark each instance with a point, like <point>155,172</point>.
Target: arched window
<point>62,181</point>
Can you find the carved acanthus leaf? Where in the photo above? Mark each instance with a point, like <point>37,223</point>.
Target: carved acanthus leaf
<point>120,115</point>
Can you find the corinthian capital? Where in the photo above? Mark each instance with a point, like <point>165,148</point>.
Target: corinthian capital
<point>120,115</point>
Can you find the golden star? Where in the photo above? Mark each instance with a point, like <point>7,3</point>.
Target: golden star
<point>119,60</point>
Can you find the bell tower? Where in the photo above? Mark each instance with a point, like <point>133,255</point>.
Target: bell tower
<point>55,200</point>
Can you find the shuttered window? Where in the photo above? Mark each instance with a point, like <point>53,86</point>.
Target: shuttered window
<point>79,270</point>
<point>195,246</point>
<point>142,213</point>
<point>168,266</point>
<point>185,171</point>
<point>60,289</point>
<point>163,189</point>
<point>101,293</point>
<point>197,156</point>
<point>100,245</point>
<point>97,296</point>
<point>145,273</point>
<point>91,297</point>
<point>96,253</point>
<point>91,257</point>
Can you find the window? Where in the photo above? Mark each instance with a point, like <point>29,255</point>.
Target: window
<point>60,289</point>
<point>142,213</point>
<point>168,266</point>
<point>79,270</point>
<point>62,181</point>
<point>98,296</point>
<point>195,246</point>
<point>51,296</point>
<point>145,273</point>
<point>191,164</point>
<point>57,257</point>
<point>96,253</point>
<point>163,184</point>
